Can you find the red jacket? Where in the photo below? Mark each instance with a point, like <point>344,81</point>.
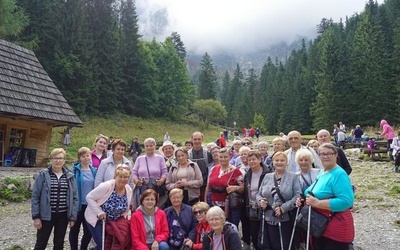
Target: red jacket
<point>138,229</point>
<point>204,228</point>
<point>222,142</point>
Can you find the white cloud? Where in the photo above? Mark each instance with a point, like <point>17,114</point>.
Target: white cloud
<point>234,25</point>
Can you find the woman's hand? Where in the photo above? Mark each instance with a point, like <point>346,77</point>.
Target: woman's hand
<point>230,189</point>
<point>159,182</point>
<point>278,211</point>
<point>299,202</point>
<point>312,201</point>
<point>102,216</point>
<point>154,246</point>
<point>188,243</point>
<point>37,223</point>
<point>137,182</point>
<point>263,203</point>
<point>71,223</point>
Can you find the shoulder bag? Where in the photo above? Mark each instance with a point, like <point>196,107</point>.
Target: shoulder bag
<point>235,198</point>
<point>319,221</point>
<point>153,183</point>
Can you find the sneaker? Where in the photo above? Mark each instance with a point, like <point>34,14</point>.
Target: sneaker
<point>246,247</point>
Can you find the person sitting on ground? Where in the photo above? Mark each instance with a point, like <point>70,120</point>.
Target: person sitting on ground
<point>223,235</point>
<point>149,225</point>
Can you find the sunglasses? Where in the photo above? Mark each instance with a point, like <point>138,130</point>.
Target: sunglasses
<point>246,143</point>
<point>198,212</point>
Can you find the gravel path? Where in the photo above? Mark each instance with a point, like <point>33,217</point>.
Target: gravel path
<point>374,217</point>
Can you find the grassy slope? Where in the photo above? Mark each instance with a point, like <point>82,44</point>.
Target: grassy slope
<point>126,127</point>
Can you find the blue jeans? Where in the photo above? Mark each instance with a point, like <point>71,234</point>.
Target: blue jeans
<point>234,216</point>
<point>97,233</point>
<point>161,245</point>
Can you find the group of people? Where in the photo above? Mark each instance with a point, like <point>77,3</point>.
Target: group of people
<point>196,198</point>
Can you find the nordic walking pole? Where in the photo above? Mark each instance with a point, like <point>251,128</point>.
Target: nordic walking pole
<point>280,232</point>
<point>309,224</point>
<point>294,228</point>
<point>262,227</point>
<point>103,235</point>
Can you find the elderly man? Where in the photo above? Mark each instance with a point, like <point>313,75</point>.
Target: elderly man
<point>202,157</point>
<point>323,136</point>
<point>294,139</point>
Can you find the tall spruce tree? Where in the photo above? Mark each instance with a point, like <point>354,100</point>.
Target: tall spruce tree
<point>207,88</point>
<point>179,45</point>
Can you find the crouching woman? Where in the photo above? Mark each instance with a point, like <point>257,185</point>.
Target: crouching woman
<point>149,225</point>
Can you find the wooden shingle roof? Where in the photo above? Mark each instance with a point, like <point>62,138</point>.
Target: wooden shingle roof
<point>27,92</point>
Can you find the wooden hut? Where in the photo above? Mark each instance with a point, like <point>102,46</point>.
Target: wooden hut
<point>30,104</point>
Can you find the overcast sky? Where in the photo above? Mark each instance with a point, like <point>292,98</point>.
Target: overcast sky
<point>212,25</point>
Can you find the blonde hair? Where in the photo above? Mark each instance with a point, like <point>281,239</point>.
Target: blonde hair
<point>57,151</point>
<point>175,191</point>
<point>122,169</point>
<point>244,149</point>
<point>100,136</point>
<point>201,205</point>
<point>82,151</point>
<point>304,153</point>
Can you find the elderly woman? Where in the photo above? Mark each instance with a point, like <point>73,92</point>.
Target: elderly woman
<point>200,210</point>
<point>235,151</point>
<point>223,235</point>
<point>252,183</point>
<point>106,169</point>
<point>224,179</point>
<point>263,150</point>
<point>99,152</point>
<point>109,201</point>
<point>277,195</point>
<point>278,145</point>
<point>215,159</point>
<point>149,225</point>
<point>54,201</point>
<point>314,144</point>
<point>167,150</point>
<point>185,175</point>
<point>307,174</point>
<point>150,170</point>
<point>181,220</point>
<point>241,161</point>
<point>84,174</point>
<point>333,193</point>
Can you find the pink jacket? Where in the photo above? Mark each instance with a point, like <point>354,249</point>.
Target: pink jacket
<point>98,196</point>
<point>387,130</point>
<point>138,229</point>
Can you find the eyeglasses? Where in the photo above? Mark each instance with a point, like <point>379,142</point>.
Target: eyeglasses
<point>214,219</point>
<point>198,212</point>
<point>246,143</point>
<point>326,155</point>
<point>58,158</point>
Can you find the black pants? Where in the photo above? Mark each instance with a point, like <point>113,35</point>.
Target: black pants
<point>254,230</point>
<point>274,236</point>
<point>74,231</point>
<point>245,225</point>
<point>60,222</point>
<point>324,243</point>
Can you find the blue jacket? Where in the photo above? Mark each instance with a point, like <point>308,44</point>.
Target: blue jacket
<point>187,218</point>
<point>77,171</point>
<point>40,201</point>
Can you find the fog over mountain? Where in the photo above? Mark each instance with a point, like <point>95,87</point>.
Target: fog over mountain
<point>238,26</point>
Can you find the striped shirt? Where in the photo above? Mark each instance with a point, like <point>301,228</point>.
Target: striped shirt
<point>58,193</point>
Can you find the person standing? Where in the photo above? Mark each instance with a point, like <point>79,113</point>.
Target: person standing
<point>396,152</point>
<point>54,201</point>
<point>358,133</point>
<point>99,152</point>
<point>135,149</point>
<point>202,157</point>
<point>166,137</point>
<point>387,131</point>
<point>84,174</point>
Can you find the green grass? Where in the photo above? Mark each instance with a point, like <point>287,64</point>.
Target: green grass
<point>126,127</point>
<point>19,193</point>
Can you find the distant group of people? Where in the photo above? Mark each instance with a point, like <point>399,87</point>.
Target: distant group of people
<point>193,196</point>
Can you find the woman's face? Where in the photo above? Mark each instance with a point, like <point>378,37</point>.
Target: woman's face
<point>278,146</point>
<point>58,161</point>
<point>149,202</point>
<point>263,149</point>
<point>237,146</point>
<point>305,164</point>
<point>176,200</point>
<point>122,179</point>
<point>280,163</point>
<point>216,223</point>
<point>85,158</point>
<point>243,157</point>
<point>224,158</point>
<point>150,148</point>
<point>119,151</point>
<point>328,158</point>
<point>181,157</point>
<point>199,214</point>
<point>101,144</point>
<point>314,146</point>
<point>214,154</point>
<point>168,151</point>
<point>253,161</point>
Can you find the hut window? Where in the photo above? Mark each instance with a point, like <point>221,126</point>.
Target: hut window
<point>17,137</point>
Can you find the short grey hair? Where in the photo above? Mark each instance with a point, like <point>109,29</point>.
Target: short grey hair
<point>304,153</point>
<point>150,141</point>
<point>217,211</point>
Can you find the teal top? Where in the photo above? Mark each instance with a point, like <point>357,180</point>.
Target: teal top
<point>334,185</point>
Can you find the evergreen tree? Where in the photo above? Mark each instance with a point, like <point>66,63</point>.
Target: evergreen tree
<point>207,79</point>
<point>13,20</point>
<point>179,45</point>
